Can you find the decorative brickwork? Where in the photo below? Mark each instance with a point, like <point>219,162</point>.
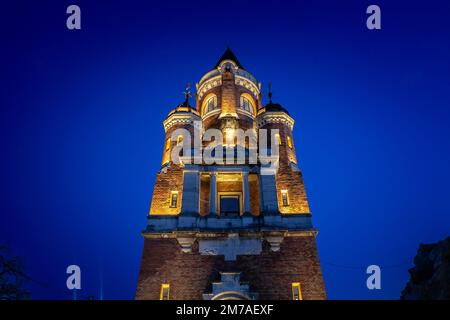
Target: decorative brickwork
<point>167,180</point>
<point>271,274</point>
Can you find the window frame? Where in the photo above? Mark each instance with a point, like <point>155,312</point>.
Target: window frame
<point>207,104</point>
<point>285,196</point>
<point>230,194</point>
<point>296,286</point>
<point>249,104</point>
<point>174,194</point>
<point>162,296</point>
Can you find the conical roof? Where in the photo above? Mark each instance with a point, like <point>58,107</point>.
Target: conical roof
<point>229,55</point>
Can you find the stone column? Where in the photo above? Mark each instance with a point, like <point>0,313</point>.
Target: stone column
<point>213,194</point>
<point>190,205</point>
<point>246,192</point>
<point>268,190</point>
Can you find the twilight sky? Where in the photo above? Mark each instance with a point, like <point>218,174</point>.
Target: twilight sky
<point>82,136</point>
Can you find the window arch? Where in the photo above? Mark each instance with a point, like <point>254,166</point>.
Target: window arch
<point>210,104</point>
<point>247,103</point>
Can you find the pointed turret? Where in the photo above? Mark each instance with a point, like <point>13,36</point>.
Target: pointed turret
<point>229,55</point>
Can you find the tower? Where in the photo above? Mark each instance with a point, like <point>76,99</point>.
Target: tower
<point>229,217</point>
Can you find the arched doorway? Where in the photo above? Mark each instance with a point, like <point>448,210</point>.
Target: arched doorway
<point>230,295</point>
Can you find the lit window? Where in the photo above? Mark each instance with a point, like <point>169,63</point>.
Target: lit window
<point>174,199</point>
<point>167,144</point>
<point>246,104</point>
<point>285,198</point>
<point>179,139</point>
<point>164,295</point>
<point>211,104</point>
<point>289,142</point>
<point>296,291</point>
<point>278,137</point>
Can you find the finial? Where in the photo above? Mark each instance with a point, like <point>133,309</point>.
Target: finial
<point>187,94</point>
<point>270,92</point>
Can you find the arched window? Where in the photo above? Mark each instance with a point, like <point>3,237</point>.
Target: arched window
<point>211,104</point>
<point>246,104</point>
<point>289,142</point>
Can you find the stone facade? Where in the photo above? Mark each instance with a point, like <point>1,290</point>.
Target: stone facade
<point>232,230</point>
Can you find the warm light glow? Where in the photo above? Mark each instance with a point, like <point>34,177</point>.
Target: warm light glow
<point>168,144</point>
<point>247,103</point>
<point>174,199</point>
<point>164,295</point>
<point>230,134</point>
<point>289,142</point>
<point>285,198</point>
<point>278,137</point>
<point>179,139</point>
<point>210,103</point>
<point>296,291</point>
<point>166,154</point>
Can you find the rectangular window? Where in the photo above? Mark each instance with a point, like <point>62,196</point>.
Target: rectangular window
<point>296,291</point>
<point>285,198</point>
<point>229,206</point>
<point>174,199</point>
<point>164,295</point>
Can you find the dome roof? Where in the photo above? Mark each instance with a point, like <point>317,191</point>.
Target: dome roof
<point>183,108</point>
<point>275,107</point>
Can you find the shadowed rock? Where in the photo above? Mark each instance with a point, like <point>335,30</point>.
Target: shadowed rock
<point>430,277</point>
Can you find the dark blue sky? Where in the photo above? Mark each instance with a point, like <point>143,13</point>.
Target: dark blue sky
<point>82,111</point>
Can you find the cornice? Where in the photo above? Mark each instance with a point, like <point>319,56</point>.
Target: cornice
<point>180,118</point>
<point>274,117</point>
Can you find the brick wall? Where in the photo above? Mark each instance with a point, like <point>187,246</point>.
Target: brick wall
<point>270,274</point>
<point>290,180</point>
<point>253,185</point>
<point>287,178</point>
<point>166,182</point>
<point>229,99</point>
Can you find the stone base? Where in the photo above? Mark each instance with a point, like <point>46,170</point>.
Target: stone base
<point>269,274</point>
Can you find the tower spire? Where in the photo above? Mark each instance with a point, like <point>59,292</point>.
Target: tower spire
<point>187,94</point>
<point>229,55</point>
<point>270,91</point>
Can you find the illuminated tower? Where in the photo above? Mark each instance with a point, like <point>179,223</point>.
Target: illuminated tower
<point>237,229</point>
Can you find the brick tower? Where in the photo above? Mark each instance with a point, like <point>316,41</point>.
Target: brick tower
<point>229,217</point>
